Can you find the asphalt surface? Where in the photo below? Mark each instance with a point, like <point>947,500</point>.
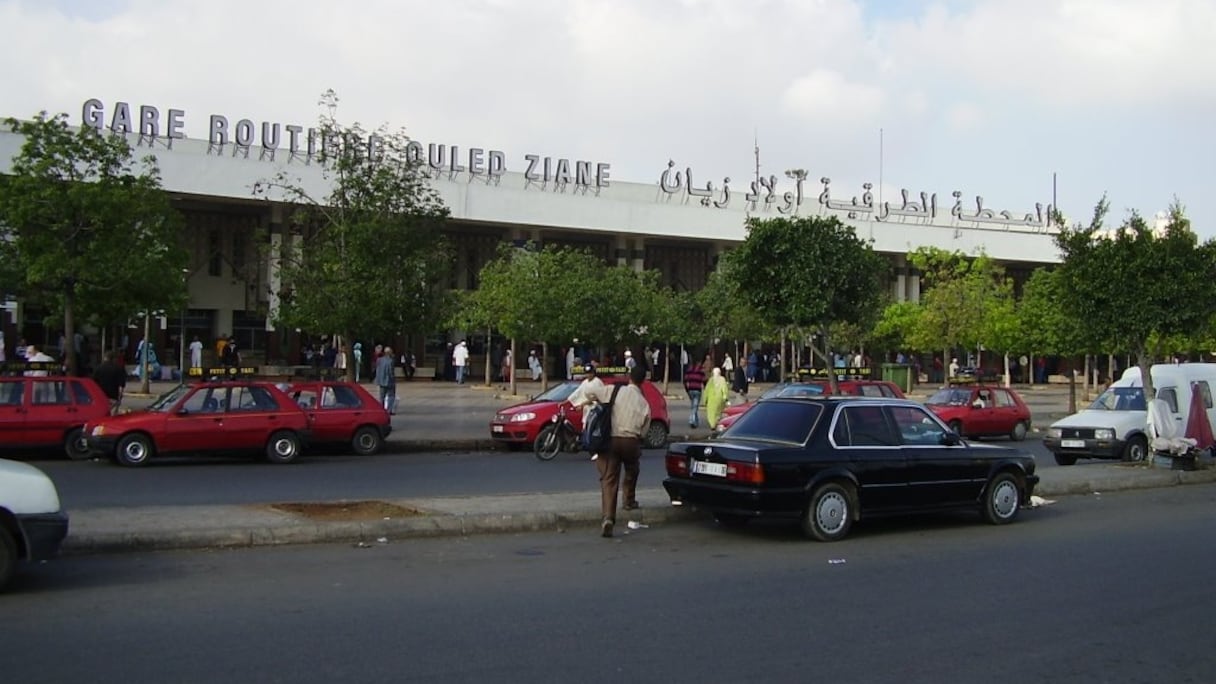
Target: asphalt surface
<point>438,416</point>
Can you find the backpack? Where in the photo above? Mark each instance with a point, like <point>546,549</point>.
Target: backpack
<point>597,433</point>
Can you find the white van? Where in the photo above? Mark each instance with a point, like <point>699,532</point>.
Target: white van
<point>32,525</point>
<point>1116,424</point>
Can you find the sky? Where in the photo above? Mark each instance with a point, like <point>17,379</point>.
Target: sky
<point>987,97</point>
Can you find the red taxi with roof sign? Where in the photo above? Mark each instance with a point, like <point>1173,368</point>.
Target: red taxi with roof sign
<point>40,407</point>
<point>814,383</point>
<point>517,426</point>
<point>978,410</point>
<point>230,412</point>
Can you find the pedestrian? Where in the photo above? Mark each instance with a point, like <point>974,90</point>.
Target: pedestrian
<point>357,351</point>
<point>716,394</point>
<point>727,364</point>
<point>570,362</point>
<point>508,366</point>
<point>738,383</point>
<point>32,355</point>
<point>196,353</point>
<point>230,355</point>
<point>590,393</point>
<point>953,370</point>
<point>386,380</point>
<point>111,377</point>
<point>630,420</point>
<point>460,359</point>
<point>534,365</point>
<point>340,360</point>
<point>630,362</point>
<point>694,385</point>
<point>753,366</point>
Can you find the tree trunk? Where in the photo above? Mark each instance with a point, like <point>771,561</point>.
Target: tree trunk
<point>489,354</point>
<point>666,360</point>
<point>544,359</point>
<point>1007,379</point>
<point>348,357</point>
<point>1072,387</point>
<point>69,332</point>
<point>511,370</point>
<point>145,381</point>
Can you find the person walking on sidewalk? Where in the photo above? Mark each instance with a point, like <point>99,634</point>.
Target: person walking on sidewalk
<point>386,380</point>
<point>630,420</point>
<point>694,384</point>
<point>460,358</point>
<point>112,379</point>
<point>717,392</point>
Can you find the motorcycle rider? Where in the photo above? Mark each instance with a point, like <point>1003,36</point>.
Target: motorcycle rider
<point>593,392</point>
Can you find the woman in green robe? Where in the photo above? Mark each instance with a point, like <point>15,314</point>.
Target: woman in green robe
<point>716,394</point>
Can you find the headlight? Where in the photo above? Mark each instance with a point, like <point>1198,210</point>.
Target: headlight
<point>1055,433</point>
<point>99,431</point>
<point>1104,433</point>
<point>521,417</point>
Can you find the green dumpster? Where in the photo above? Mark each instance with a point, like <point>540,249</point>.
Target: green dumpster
<point>898,373</point>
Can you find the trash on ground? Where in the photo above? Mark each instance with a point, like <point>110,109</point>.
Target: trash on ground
<point>383,540</point>
<point>677,503</point>
<point>836,561</point>
<point>1036,501</point>
<point>635,525</point>
<point>363,545</point>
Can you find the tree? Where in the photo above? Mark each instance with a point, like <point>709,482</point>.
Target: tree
<point>897,325</point>
<point>85,229</point>
<point>809,273</point>
<point>371,256</point>
<point>1134,287</point>
<point>961,293</point>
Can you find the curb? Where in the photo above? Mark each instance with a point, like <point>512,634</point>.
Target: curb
<point>434,523</point>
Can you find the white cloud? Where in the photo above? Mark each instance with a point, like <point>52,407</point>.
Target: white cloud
<point>986,96</point>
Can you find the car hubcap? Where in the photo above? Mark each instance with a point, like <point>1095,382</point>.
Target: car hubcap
<point>830,512</point>
<point>135,452</point>
<point>367,442</point>
<point>1005,499</point>
<point>284,447</point>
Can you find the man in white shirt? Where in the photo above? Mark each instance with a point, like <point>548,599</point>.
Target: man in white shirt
<point>590,393</point>
<point>196,353</point>
<point>460,359</point>
<point>630,421</point>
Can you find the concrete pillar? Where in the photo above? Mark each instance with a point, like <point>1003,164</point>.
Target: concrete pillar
<point>620,248</point>
<point>638,255</point>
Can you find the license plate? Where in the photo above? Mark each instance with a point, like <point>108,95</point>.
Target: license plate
<point>1072,443</point>
<point>496,428</point>
<point>707,468</point>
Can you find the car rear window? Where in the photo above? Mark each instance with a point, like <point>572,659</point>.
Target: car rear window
<point>776,421</point>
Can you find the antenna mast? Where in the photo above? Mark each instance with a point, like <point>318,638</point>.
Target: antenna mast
<point>756,138</point>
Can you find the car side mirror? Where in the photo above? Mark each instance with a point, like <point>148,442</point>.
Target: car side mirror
<point>951,438</point>
<point>183,412</point>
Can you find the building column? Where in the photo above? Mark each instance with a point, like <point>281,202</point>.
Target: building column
<point>274,266</point>
<point>638,255</point>
<point>620,250</point>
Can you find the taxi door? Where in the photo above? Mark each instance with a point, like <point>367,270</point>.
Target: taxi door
<point>50,411</point>
<point>252,415</point>
<point>12,411</point>
<point>196,423</point>
<point>335,413</point>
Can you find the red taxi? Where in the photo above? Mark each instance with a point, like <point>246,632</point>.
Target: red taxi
<point>342,413</point>
<point>981,411</point>
<point>215,416</point>
<point>855,388</point>
<point>49,411</point>
<point>517,426</point>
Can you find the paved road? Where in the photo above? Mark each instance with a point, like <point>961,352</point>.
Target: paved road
<point>1111,588</point>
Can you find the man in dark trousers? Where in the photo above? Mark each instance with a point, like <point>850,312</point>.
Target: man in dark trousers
<point>630,420</point>
<point>111,377</point>
<point>694,384</point>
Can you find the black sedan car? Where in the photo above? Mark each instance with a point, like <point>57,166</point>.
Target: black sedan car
<point>829,461</point>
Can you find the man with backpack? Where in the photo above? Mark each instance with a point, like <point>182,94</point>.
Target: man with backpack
<point>592,393</point>
<point>628,416</point>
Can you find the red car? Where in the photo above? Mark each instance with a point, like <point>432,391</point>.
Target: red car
<point>517,426</point>
<point>981,411</point>
<point>215,416</point>
<point>49,412</point>
<point>343,413</point>
<point>857,388</point>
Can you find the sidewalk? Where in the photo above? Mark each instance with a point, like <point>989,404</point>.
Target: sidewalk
<point>432,414</point>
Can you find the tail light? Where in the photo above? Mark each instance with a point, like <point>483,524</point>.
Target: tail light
<point>677,465</point>
<point>750,473</point>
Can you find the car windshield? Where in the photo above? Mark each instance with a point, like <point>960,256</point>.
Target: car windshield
<point>949,396</point>
<point>789,422</point>
<point>560,392</point>
<point>1120,399</point>
<point>167,400</point>
<point>800,391</point>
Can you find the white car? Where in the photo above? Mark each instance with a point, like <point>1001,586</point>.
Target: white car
<point>32,526</point>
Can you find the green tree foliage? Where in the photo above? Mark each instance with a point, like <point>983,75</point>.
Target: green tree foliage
<point>896,326</point>
<point>967,303</point>
<point>85,229</point>
<point>1135,289</point>
<point>807,273</point>
<point>1045,327</point>
<point>372,259</point>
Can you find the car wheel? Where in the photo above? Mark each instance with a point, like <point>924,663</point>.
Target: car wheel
<point>8,556</point>
<point>829,513</point>
<point>548,443</point>
<point>1065,459</point>
<point>133,450</point>
<point>283,447</point>
<point>1018,433</point>
<point>656,436</point>
<point>1136,449</point>
<point>1002,499</point>
<point>366,441</point>
<point>957,427</point>
<point>731,519</point>
<point>75,445</point>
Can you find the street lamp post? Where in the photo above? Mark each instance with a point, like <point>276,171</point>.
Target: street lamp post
<point>181,341</point>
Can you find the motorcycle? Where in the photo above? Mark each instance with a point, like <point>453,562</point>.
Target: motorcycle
<point>559,435</point>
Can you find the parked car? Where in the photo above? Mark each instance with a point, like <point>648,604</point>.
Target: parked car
<point>49,412</point>
<point>219,416</point>
<point>1115,425</point>
<point>982,411</point>
<point>517,426</point>
<point>343,413</point>
<point>831,461</point>
<point>851,388</point>
<point>32,524</point>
